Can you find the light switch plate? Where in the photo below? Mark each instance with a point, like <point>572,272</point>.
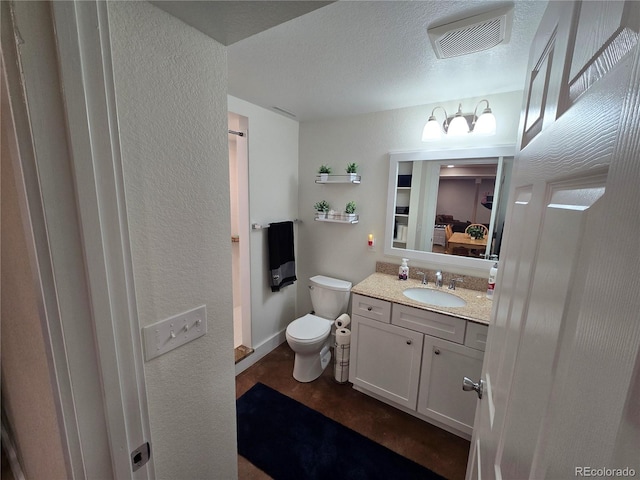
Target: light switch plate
<point>165,335</point>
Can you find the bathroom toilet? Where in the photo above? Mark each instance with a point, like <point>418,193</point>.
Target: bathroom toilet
<point>308,336</point>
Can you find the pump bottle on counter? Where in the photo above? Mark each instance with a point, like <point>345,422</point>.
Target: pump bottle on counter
<point>491,286</point>
<point>403,271</point>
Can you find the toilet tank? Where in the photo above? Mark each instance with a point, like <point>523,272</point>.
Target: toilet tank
<point>329,296</point>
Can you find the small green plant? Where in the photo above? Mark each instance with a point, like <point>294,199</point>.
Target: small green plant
<point>324,169</point>
<point>476,232</point>
<point>322,206</point>
<point>350,208</point>
<point>352,168</point>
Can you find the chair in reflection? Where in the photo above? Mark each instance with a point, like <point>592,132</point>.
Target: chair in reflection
<point>483,227</point>
<point>485,230</point>
<point>448,231</point>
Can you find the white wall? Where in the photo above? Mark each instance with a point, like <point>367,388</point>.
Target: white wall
<point>171,96</point>
<point>273,197</point>
<point>457,197</point>
<point>341,250</point>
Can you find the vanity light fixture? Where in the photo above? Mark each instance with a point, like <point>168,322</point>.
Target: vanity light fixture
<point>459,124</point>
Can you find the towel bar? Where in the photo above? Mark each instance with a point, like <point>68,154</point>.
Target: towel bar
<point>258,226</point>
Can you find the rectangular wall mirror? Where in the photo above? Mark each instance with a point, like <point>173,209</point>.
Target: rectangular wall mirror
<point>437,198</point>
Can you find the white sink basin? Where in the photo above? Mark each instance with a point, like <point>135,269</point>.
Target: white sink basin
<point>434,297</point>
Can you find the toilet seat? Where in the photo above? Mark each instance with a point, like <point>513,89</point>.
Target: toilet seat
<point>309,329</point>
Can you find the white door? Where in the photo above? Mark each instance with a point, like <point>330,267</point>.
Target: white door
<point>562,360</point>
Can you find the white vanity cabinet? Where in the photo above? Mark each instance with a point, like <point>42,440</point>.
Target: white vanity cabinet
<point>416,359</point>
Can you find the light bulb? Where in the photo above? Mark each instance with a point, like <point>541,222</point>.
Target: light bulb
<point>486,124</point>
<point>432,130</point>
<point>458,126</point>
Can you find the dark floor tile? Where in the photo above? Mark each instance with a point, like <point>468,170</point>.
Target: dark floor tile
<point>432,447</point>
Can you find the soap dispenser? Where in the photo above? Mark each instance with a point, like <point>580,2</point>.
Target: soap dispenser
<point>403,271</point>
<point>491,286</point>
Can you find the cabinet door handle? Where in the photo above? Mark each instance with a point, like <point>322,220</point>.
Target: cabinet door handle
<point>369,308</point>
<point>436,351</point>
<point>408,342</point>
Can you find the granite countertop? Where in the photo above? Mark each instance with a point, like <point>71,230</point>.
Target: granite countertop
<point>388,287</point>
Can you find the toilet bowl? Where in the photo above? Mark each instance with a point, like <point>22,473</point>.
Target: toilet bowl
<point>308,336</point>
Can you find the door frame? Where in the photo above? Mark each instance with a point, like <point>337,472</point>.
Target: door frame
<point>241,123</point>
<point>86,108</point>
<point>86,74</point>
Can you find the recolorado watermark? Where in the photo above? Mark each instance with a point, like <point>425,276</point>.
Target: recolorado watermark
<point>604,472</point>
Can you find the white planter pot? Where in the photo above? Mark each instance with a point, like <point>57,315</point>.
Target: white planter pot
<point>324,177</point>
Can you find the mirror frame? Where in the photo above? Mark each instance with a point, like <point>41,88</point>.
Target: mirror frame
<point>439,259</point>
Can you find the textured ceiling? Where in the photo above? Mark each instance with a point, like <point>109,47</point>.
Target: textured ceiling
<point>229,21</point>
<point>353,57</point>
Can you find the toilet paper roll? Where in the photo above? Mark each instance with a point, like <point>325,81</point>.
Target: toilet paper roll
<point>342,353</point>
<point>343,321</point>
<point>343,336</point>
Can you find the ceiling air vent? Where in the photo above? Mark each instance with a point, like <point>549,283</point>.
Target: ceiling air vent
<point>472,34</point>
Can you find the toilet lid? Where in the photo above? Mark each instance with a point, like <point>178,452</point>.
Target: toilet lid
<point>309,327</point>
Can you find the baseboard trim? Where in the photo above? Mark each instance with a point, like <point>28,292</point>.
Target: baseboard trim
<point>416,414</point>
<point>261,350</point>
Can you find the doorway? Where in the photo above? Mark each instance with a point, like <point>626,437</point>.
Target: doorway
<point>240,262</point>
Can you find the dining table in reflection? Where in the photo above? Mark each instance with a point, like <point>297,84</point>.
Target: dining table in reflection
<point>459,239</point>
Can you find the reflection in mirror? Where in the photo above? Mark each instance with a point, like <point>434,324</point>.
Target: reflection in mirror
<point>434,199</point>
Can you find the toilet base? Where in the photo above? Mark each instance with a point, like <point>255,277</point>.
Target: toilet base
<point>308,367</point>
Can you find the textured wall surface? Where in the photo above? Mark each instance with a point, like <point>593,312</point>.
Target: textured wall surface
<point>273,197</point>
<point>341,250</point>
<point>172,108</point>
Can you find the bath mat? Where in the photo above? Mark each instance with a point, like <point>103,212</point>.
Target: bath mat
<point>288,440</point>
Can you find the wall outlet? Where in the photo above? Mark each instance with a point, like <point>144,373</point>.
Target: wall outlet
<point>165,335</point>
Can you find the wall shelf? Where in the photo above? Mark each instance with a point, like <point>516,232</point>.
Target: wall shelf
<point>337,218</point>
<point>339,179</point>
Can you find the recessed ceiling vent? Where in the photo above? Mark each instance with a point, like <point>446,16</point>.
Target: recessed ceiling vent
<point>472,34</point>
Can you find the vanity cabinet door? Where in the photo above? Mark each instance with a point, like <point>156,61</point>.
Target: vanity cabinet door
<point>444,365</point>
<point>385,360</point>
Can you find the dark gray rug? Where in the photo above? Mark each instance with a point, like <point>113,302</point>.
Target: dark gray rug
<point>288,440</point>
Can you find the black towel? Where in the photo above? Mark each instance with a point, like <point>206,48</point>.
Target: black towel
<point>282,265</point>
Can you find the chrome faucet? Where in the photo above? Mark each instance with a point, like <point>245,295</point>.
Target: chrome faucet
<point>452,283</point>
<point>439,279</point>
<point>424,277</point>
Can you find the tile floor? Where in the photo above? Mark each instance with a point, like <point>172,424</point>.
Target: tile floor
<point>442,452</point>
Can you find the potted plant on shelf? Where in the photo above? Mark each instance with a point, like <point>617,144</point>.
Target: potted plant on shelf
<point>350,211</point>
<point>324,172</point>
<point>352,169</point>
<point>322,207</point>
